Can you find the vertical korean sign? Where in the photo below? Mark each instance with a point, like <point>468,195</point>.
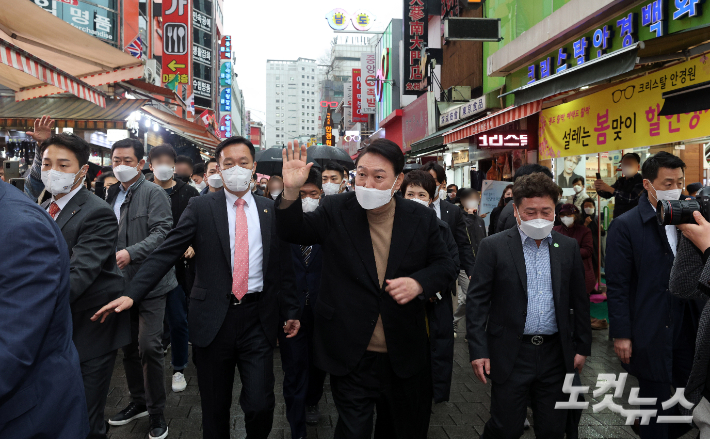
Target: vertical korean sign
<point>368,75</point>
<point>177,29</point>
<point>357,97</point>
<point>328,136</point>
<point>415,36</point>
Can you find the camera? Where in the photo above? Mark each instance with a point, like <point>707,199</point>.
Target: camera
<point>674,212</point>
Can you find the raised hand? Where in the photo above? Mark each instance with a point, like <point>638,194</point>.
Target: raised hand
<point>43,129</point>
<point>295,169</point>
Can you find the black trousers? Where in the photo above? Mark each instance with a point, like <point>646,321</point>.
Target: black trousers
<point>96,374</point>
<point>240,343</point>
<point>403,404</point>
<point>316,377</point>
<point>441,337</point>
<point>537,378</point>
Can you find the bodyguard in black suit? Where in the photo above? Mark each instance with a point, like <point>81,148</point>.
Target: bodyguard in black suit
<point>237,294</point>
<point>383,258</point>
<point>90,230</point>
<point>525,283</point>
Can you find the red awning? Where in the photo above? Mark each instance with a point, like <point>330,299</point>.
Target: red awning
<point>500,118</point>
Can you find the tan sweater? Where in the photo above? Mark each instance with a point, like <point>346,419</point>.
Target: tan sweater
<point>381,235</point>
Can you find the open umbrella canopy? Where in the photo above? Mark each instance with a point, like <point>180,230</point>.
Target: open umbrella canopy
<point>269,161</point>
<point>322,154</point>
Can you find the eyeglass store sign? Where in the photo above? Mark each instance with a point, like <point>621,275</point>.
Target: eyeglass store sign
<point>99,22</point>
<point>455,114</point>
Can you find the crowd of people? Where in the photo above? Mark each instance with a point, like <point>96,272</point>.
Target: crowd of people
<point>354,277</point>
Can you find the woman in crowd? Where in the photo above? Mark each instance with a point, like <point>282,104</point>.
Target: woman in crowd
<point>274,187</point>
<point>580,193</point>
<point>589,219</point>
<point>573,227</point>
<point>495,213</point>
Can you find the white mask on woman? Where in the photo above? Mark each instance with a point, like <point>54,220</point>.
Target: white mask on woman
<point>57,182</point>
<point>371,198</point>
<point>125,173</point>
<point>236,178</point>
<point>567,221</point>
<point>215,181</point>
<point>538,228</point>
<point>420,201</point>
<point>309,204</point>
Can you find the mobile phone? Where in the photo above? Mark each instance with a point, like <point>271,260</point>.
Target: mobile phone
<point>599,176</point>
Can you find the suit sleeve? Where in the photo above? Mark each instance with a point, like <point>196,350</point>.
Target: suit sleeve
<point>452,246</point>
<point>296,227</point>
<point>587,247</point>
<point>579,302</point>
<point>690,277</point>
<point>96,243</point>
<point>160,221</point>
<point>166,255</point>
<point>29,282</point>
<point>440,269</point>
<point>478,300</point>
<point>461,235</point>
<point>289,303</point>
<point>619,268</point>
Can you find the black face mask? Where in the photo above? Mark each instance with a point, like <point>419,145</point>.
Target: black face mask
<point>507,200</point>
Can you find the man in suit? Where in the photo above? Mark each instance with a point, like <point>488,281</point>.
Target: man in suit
<point>214,181</point>
<point>653,331</point>
<point>40,385</point>
<point>90,230</point>
<point>507,219</point>
<point>243,277</point>
<point>383,258</point>
<point>334,181</point>
<point>525,283</point>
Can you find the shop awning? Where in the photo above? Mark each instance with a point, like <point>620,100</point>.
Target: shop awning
<point>500,118</point>
<point>61,48</point>
<point>605,67</point>
<point>434,141</point>
<point>196,132</point>
<point>686,100</point>
<point>68,112</point>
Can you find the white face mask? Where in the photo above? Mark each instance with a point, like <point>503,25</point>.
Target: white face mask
<point>420,201</point>
<point>629,171</point>
<point>567,220</point>
<point>371,198</point>
<point>236,178</point>
<point>215,181</point>
<point>577,189</point>
<point>673,194</point>
<point>263,186</point>
<point>442,194</point>
<point>538,228</point>
<point>470,204</point>
<point>589,210</point>
<point>56,182</point>
<point>331,188</point>
<point>275,193</point>
<point>163,172</point>
<point>125,173</point>
<point>201,186</point>
<point>309,204</point>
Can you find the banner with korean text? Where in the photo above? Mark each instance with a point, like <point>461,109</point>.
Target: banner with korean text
<point>625,116</point>
<point>368,75</point>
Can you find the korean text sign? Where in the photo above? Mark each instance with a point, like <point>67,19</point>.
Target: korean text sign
<point>177,31</point>
<point>368,72</point>
<point>416,33</point>
<point>625,115</point>
<point>358,115</point>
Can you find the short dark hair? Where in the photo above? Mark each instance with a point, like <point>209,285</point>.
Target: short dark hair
<point>419,178</point>
<point>75,144</point>
<point>531,169</point>
<point>198,169</point>
<point>632,155</point>
<point>438,170</point>
<point>184,159</point>
<point>535,185</point>
<point>466,192</point>
<point>104,175</point>
<point>694,187</point>
<point>578,179</point>
<point>314,178</point>
<point>589,200</point>
<point>387,149</point>
<point>235,140</point>
<point>137,146</point>
<point>162,150</point>
<point>660,160</point>
<point>332,166</point>
<point>452,185</point>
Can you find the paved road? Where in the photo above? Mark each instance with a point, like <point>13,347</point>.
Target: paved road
<point>462,417</point>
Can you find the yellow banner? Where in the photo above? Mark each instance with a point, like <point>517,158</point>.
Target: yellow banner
<point>625,115</point>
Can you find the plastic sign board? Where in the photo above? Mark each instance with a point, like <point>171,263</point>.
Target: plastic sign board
<point>340,19</point>
<point>225,126</point>
<point>225,48</point>
<point>328,136</point>
<point>416,34</point>
<point>357,98</point>
<point>368,77</point>
<point>177,31</point>
<point>502,140</point>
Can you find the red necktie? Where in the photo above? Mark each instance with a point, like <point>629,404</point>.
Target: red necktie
<point>53,210</point>
<point>240,271</point>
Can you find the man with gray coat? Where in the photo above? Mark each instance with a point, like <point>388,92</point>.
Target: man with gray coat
<point>145,218</point>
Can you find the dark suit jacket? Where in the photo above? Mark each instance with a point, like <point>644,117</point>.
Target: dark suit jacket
<point>506,219</point>
<point>451,215</point>
<point>498,294</point>
<point>204,226</point>
<point>90,230</point>
<point>638,268</point>
<point>41,389</point>
<point>351,298</point>
<point>307,276</point>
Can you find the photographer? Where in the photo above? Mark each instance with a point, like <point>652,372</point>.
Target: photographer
<point>690,279</point>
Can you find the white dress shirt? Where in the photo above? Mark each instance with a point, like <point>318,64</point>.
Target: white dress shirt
<point>62,202</point>
<point>256,249</point>
<point>672,234</point>
<point>437,207</point>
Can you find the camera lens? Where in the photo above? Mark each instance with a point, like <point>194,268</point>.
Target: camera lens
<point>674,212</point>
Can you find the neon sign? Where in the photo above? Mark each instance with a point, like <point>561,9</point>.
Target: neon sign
<point>382,73</point>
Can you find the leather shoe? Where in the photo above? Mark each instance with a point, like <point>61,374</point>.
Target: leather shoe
<point>130,413</point>
<point>158,427</point>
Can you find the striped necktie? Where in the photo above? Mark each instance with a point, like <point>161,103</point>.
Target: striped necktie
<point>306,252</point>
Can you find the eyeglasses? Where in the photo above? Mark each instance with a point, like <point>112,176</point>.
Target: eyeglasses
<point>352,138</point>
<point>627,93</point>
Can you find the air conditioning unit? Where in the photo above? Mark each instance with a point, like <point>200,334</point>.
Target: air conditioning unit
<point>151,74</point>
<point>458,93</point>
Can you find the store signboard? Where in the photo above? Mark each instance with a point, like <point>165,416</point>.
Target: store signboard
<point>501,139</point>
<point>625,116</point>
<point>225,48</point>
<point>99,22</point>
<point>201,54</point>
<point>225,100</point>
<point>340,19</point>
<point>202,88</point>
<point>455,114</point>
<point>328,136</point>
<point>368,72</point>
<point>201,21</point>
<point>416,34</point>
<point>177,31</point>
<point>415,121</point>
<point>225,74</point>
<point>348,107</point>
<point>225,126</point>
<point>357,98</point>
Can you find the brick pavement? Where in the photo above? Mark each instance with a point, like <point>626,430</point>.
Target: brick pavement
<point>462,417</point>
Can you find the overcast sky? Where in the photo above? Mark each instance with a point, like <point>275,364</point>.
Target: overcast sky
<point>281,29</point>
